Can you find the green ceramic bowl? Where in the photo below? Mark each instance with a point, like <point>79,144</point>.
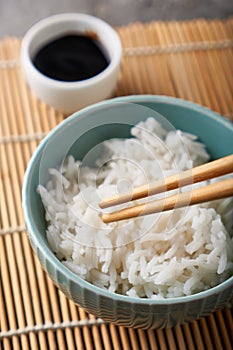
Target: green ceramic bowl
<point>76,135</point>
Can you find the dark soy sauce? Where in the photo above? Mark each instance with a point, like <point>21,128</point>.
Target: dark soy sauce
<point>71,57</point>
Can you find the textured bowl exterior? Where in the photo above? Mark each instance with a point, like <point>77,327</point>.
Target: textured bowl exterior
<point>118,309</point>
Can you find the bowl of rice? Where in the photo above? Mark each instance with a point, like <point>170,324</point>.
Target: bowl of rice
<point>150,272</point>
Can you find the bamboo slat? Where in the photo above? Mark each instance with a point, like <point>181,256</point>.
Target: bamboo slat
<point>189,59</point>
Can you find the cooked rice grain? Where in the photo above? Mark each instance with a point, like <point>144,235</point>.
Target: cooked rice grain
<point>163,255</point>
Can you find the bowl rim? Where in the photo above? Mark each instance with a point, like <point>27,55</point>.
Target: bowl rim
<point>57,264</point>
<point>61,18</point>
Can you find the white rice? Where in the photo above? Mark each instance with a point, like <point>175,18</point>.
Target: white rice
<point>170,254</point>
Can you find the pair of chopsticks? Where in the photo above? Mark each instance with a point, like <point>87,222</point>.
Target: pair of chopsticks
<point>218,190</point>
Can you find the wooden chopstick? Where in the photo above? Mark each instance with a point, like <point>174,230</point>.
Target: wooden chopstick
<point>214,191</point>
<point>203,172</point>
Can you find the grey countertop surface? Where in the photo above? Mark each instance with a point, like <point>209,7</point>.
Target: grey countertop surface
<point>16,16</point>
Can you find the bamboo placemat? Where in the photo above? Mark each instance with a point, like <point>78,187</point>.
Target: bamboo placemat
<point>192,60</point>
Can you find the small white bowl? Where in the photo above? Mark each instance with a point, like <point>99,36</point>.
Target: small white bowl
<point>68,97</point>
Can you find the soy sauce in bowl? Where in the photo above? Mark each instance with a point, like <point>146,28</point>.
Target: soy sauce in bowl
<point>71,57</point>
<point>71,60</point>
